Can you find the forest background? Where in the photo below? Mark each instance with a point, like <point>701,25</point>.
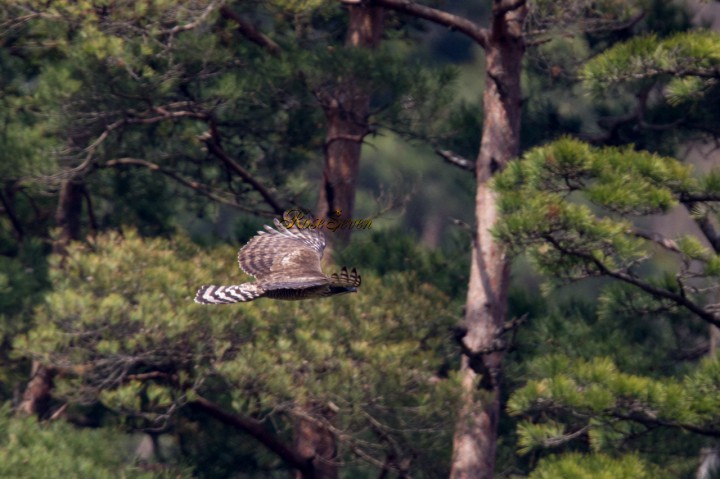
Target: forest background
<point>540,282</point>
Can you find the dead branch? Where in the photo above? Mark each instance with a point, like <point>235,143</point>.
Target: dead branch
<point>250,32</point>
<point>195,23</point>
<point>665,243</point>
<point>456,160</point>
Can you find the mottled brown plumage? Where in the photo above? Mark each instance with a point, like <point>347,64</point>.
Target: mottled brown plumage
<point>286,265</point>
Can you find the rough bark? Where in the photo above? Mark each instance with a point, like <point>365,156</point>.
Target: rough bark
<point>318,446</point>
<point>475,436</point>
<point>36,398</point>
<point>347,109</point>
<point>68,214</point>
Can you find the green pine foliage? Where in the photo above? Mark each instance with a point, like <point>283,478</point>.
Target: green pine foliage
<point>120,83</point>
<point>32,450</point>
<point>568,239</point>
<point>570,205</point>
<point>121,324</point>
<point>574,210</point>
<point>395,251</point>
<point>610,410</point>
<point>595,466</point>
<point>687,61</point>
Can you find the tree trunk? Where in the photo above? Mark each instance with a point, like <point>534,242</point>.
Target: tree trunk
<point>36,398</point>
<point>475,436</point>
<point>37,395</point>
<point>347,108</point>
<point>68,215</point>
<point>318,446</point>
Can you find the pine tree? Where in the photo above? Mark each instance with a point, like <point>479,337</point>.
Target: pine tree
<point>577,210</point>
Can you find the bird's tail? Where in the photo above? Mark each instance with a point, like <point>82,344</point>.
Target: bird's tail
<point>351,279</point>
<point>237,293</point>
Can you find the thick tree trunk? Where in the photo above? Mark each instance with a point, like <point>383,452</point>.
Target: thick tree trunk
<point>476,431</point>
<point>347,108</point>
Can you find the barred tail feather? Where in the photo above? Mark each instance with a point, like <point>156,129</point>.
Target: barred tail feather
<point>237,293</point>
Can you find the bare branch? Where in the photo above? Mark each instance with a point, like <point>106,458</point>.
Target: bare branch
<point>456,160</point>
<point>656,238</point>
<point>194,24</point>
<point>250,32</point>
<point>256,429</point>
<point>194,185</point>
<point>132,117</point>
<point>454,22</point>
<point>706,221</point>
<point>687,198</point>
<point>560,440</point>
<point>212,140</point>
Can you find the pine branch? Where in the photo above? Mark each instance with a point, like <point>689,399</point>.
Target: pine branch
<point>665,243</point>
<point>454,22</point>
<point>250,32</point>
<point>679,299</point>
<point>213,144</point>
<point>256,429</point>
<point>194,185</point>
<point>707,223</point>
<point>643,418</point>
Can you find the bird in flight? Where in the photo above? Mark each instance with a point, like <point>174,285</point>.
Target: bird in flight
<point>286,265</point>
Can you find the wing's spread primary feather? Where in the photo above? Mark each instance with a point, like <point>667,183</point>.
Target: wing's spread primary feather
<point>351,279</point>
<point>286,264</point>
<point>281,249</point>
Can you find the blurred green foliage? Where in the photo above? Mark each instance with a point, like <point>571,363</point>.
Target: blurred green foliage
<point>121,309</point>
<point>116,318</point>
<point>58,449</point>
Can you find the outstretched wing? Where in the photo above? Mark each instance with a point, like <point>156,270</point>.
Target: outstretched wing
<point>345,279</point>
<point>285,258</point>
